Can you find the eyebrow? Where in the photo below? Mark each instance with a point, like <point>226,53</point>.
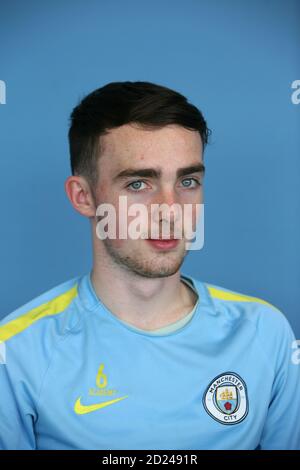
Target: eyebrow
<point>154,173</point>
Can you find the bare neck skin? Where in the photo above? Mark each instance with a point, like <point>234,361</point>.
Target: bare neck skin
<point>146,303</point>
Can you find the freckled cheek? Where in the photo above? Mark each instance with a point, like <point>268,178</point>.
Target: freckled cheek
<point>197,215</point>
<point>118,244</point>
<point>191,197</point>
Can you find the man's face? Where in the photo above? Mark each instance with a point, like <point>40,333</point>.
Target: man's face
<point>150,167</point>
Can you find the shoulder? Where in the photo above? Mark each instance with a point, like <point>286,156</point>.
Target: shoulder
<point>252,307</point>
<point>51,309</point>
<point>240,309</point>
<point>30,335</point>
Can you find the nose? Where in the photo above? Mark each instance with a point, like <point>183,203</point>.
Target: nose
<point>166,196</point>
<point>166,207</point>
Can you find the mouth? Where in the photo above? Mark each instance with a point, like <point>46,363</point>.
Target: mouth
<point>163,243</point>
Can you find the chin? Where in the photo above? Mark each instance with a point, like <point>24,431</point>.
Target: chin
<point>163,269</point>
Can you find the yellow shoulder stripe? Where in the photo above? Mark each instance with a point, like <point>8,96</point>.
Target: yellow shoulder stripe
<point>224,295</point>
<point>52,307</point>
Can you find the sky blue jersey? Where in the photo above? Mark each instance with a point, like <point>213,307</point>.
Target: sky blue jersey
<point>73,376</point>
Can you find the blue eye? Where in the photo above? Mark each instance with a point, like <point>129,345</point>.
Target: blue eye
<point>134,186</point>
<point>197,182</point>
<point>187,183</point>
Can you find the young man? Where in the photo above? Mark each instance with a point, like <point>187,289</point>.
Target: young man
<point>134,354</point>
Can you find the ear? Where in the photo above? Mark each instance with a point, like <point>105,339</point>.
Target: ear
<point>80,194</point>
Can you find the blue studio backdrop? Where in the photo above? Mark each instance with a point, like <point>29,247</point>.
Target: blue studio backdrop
<point>235,60</point>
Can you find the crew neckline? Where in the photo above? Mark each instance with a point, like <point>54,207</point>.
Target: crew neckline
<point>175,325</point>
<point>92,302</point>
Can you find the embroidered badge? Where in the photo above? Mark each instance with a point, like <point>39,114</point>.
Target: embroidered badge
<point>226,399</point>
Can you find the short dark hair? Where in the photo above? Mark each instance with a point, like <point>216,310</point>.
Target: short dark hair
<point>149,105</point>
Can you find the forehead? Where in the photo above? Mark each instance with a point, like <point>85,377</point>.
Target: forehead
<point>129,144</point>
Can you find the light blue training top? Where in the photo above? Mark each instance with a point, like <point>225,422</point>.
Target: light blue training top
<point>74,376</point>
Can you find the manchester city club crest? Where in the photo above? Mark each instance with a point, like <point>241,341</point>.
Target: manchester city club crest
<point>226,399</point>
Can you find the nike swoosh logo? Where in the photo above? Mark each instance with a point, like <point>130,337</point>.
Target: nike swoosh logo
<point>82,409</point>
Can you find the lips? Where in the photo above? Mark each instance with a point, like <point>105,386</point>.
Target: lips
<point>163,243</point>
<point>163,239</point>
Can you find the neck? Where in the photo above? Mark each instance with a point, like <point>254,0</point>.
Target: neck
<point>147,303</point>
